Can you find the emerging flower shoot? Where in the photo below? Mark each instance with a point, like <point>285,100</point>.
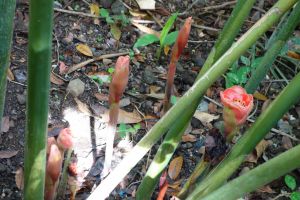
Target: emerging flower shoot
<point>177,49</point>
<point>116,89</point>
<point>237,106</point>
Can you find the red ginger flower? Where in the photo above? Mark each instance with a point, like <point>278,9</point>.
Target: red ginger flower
<point>64,139</point>
<point>119,79</point>
<point>237,106</point>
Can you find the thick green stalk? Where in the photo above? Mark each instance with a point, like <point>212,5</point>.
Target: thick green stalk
<point>229,32</point>
<point>259,176</point>
<point>193,94</point>
<point>285,31</point>
<point>39,64</point>
<point>288,97</point>
<point>225,40</point>
<point>7,10</point>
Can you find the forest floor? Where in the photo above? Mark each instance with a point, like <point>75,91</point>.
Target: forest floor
<point>86,114</point>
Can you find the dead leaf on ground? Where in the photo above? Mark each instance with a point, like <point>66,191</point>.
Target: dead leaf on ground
<point>56,80</point>
<point>189,138</point>
<point>138,13</point>
<point>166,49</point>
<point>115,31</point>
<point>124,117</point>
<point>259,150</point>
<point>7,154</point>
<point>5,124</point>
<point>82,107</point>
<point>260,96</point>
<point>10,75</point>
<point>101,96</point>
<point>154,89</point>
<point>19,178</point>
<point>146,29</point>
<point>159,96</point>
<point>286,142</point>
<point>175,167</point>
<point>266,189</point>
<point>84,49</point>
<point>146,4</point>
<point>212,108</point>
<point>204,117</point>
<point>62,67</point>
<point>94,9</point>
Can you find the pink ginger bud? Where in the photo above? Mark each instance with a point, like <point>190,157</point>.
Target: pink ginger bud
<point>54,163</point>
<point>237,106</point>
<point>64,139</point>
<point>181,40</point>
<point>119,79</point>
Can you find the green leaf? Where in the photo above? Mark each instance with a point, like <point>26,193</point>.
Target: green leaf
<point>104,13</point>
<point>173,100</point>
<point>137,126</point>
<point>171,38</point>
<point>146,40</point>
<point>122,130</point>
<point>131,53</point>
<point>167,28</point>
<point>295,196</point>
<point>111,70</point>
<point>290,181</point>
<point>232,77</point>
<point>245,60</point>
<point>256,62</point>
<point>242,74</point>
<point>228,83</point>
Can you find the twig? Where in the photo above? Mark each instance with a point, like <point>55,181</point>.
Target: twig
<point>252,121</point>
<point>84,63</point>
<point>76,13</point>
<point>18,83</point>
<point>155,19</point>
<point>200,41</point>
<point>202,27</point>
<point>219,6</point>
<point>189,8</point>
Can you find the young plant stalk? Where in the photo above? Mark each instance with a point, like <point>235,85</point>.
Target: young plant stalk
<point>116,89</point>
<point>288,97</point>
<point>259,176</point>
<point>193,94</point>
<point>284,32</point>
<point>7,10</point>
<point>177,49</point>
<point>39,64</point>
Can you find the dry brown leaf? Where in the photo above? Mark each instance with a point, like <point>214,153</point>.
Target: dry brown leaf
<point>175,167</point>
<point>82,107</point>
<point>54,79</point>
<point>124,117</point>
<point>259,149</point>
<point>188,138</point>
<point>156,95</point>
<point>212,108</point>
<point>260,96</point>
<point>10,75</point>
<point>4,124</point>
<point>84,49</point>
<point>154,89</point>
<point>286,142</point>
<point>166,49</point>
<point>94,9</point>
<point>101,96</point>
<point>137,13</point>
<point>146,4</point>
<point>204,117</point>
<point>145,29</point>
<point>266,189</point>
<point>19,178</point>
<point>7,154</point>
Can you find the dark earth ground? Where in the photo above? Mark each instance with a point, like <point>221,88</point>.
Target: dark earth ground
<point>147,76</point>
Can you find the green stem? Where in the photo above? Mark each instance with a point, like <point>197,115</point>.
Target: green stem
<point>39,65</point>
<point>285,31</point>
<point>7,10</point>
<point>259,176</point>
<point>193,94</point>
<point>229,32</point>
<point>64,177</point>
<point>288,97</point>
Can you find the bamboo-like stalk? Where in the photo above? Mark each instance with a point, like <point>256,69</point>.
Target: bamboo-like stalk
<point>39,65</point>
<point>229,32</point>
<point>225,40</point>
<point>285,31</point>
<point>193,94</point>
<point>7,10</point>
<point>259,176</point>
<point>288,97</point>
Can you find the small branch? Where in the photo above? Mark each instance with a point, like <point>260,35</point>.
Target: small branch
<point>76,13</point>
<point>84,63</point>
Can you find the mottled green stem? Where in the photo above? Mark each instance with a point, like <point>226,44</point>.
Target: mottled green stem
<point>39,65</point>
<point>7,13</point>
<point>285,31</point>
<point>193,94</point>
<point>288,97</point>
<point>259,176</point>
